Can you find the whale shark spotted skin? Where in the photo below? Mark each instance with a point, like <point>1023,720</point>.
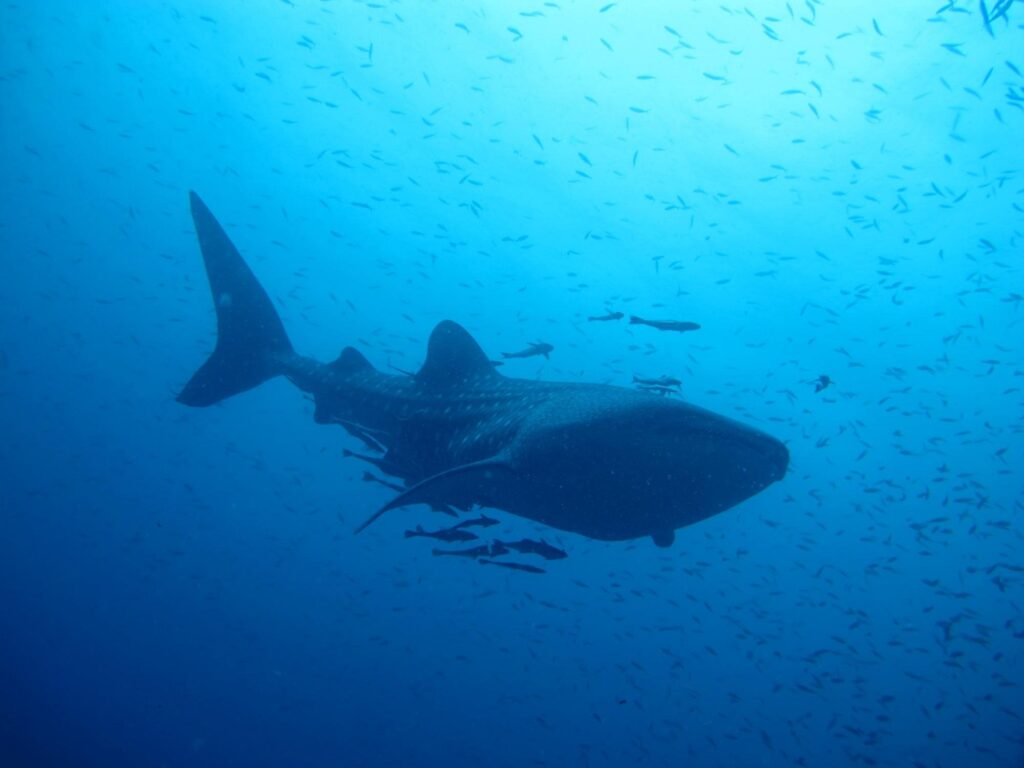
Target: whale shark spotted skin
<point>602,461</point>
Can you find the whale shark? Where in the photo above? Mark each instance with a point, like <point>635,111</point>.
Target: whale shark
<point>602,461</point>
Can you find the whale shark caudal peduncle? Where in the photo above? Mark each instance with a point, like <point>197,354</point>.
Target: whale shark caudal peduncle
<point>602,461</point>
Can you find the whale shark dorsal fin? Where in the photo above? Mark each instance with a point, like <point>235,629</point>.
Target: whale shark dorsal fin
<point>351,360</point>
<point>453,356</point>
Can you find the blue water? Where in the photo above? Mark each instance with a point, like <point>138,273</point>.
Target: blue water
<point>827,188</point>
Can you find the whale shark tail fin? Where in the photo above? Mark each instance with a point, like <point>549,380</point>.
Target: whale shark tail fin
<point>252,345</point>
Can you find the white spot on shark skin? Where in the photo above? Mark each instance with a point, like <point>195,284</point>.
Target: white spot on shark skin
<point>224,299</point>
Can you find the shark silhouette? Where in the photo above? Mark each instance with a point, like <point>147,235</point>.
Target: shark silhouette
<point>603,461</point>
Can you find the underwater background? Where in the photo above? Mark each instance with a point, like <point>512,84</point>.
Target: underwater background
<point>827,188</point>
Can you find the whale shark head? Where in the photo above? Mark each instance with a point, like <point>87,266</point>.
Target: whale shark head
<point>667,464</point>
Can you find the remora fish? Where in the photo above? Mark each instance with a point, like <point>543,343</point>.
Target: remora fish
<point>531,547</point>
<point>663,391</point>
<point>665,325</point>
<point>483,522</point>
<point>484,550</point>
<point>535,349</point>
<point>602,461</point>
<point>668,382</point>
<point>605,318</point>
<point>369,477</point>
<point>512,566</point>
<point>445,534</point>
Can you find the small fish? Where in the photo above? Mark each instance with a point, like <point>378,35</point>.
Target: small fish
<point>820,383</point>
<point>483,522</point>
<point>536,348</point>
<point>369,477</point>
<point>665,325</point>
<point>985,19</point>
<point>999,9</point>
<point>494,549</point>
<point>512,566</point>
<point>660,381</point>
<point>474,552</point>
<point>658,390</point>
<point>531,547</point>
<point>445,534</point>
<point>606,318</point>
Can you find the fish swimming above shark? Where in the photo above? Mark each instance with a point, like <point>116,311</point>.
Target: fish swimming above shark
<point>681,326</point>
<point>533,350</point>
<point>602,461</point>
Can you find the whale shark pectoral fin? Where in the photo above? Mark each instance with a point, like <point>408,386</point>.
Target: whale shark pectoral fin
<point>466,484</point>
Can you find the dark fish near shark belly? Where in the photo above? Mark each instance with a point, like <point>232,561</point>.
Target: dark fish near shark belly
<point>602,461</point>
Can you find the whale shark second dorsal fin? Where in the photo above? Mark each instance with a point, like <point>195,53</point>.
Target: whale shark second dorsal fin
<point>453,356</point>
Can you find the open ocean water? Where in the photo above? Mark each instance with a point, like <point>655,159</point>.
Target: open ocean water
<point>833,191</point>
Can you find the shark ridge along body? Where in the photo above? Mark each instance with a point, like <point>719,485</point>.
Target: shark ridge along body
<point>602,461</point>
